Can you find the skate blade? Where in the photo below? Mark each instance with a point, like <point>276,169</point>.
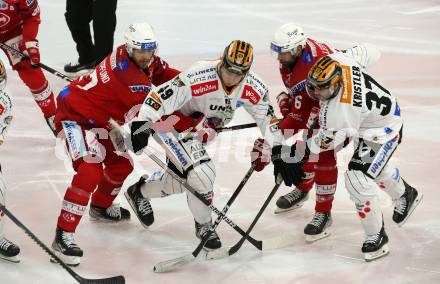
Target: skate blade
<point>313,238</point>
<point>279,210</point>
<point>383,251</point>
<point>414,205</point>
<point>13,259</point>
<point>69,260</point>
<point>217,254</point>
<point>133,207</point>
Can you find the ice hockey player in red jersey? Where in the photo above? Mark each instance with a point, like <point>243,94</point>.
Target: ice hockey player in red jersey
<point>19,23</point>
<point>297,54</point>
<point>115,89</point>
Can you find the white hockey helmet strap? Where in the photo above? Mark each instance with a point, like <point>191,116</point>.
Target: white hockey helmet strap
<point>140,36</point>
<point>287,38</point>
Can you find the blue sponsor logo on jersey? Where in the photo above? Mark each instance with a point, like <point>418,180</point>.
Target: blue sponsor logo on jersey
<point>382,158</point>
<point>388,130</point>
<point>239,104</point>
<point>397,111</point>
<point>307,57</point>
<point>177,152</point>
<point>298,87</point>
<point>140,88</point>
<point>122,65</point>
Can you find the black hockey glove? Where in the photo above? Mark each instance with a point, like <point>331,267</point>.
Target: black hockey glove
<point>140,131</point>
<point>286,165</point>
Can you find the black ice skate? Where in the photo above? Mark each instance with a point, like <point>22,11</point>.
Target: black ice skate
<point>113,213</point>
<point>76,68</point>
<point>375,246</point>
<point>9,251</point>
<point>406,204</point>
<point>66,249</point>
<point>140,205</point>
<point>213,240</point>
<point>292,200</point>
<point>318,228</point>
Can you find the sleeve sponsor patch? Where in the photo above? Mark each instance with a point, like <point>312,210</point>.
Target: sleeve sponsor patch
<point>152,103</point>
<point>204,88</point>
<point>251,95</point>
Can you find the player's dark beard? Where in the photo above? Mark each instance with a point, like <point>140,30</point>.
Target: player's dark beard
<point>290,65</point>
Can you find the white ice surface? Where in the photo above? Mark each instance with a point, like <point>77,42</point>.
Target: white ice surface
<point>408,34</point>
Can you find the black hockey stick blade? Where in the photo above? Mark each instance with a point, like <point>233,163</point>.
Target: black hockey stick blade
<point>111,280</point>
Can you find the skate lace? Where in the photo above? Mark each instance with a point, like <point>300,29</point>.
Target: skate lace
<point>5,244</point>
<point>293,195</point>
<point>400,205</point>
<point>144,206</point>
<point>204,229</point>
<point>318,219</point>
<point>68,239</point>
<point>114,211</point>
<point>372,239</point>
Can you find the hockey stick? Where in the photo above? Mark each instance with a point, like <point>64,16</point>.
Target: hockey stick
<point>236,127</point>
<point>258,244</point>
<point>111,280</point>
<point>237,246</point>
<point>41,65</point>
<point>168,265</point>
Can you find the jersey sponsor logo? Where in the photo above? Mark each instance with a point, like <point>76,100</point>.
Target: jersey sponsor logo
<point>250,95</point>
<point>140,88</point>
<point>75,139</point>
<point>155,97</point>
<point>382,157</point>
<point>298,87</point>
<point>357,97</point>
<point>152,103</point>
<point>4,20</point>
<point>175,149</point>
<point>347,94</point>
<point>204,88</point>
<point>122,65</point>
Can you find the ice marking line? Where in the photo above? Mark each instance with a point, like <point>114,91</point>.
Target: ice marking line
<point>52,185</point>
<point>421,11</point>
<point>422,270</point>
<point>353,258</point>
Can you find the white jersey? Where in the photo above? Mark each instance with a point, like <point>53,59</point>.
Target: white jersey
<point>362,109</point>
<point>199,89</point>
<point>5,113</point>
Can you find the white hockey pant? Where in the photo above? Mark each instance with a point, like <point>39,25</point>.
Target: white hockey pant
<point>199,171</point>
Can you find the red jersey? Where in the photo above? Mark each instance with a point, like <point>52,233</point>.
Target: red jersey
<point>19,17</point>
<point>301,105</point>
<point>112,90</point>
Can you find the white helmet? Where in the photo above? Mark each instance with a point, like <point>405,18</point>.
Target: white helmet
<point>287,38</point>
<point>140,36</point>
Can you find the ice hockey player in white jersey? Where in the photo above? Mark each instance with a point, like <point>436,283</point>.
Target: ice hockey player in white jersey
<point>8,250</point>
<point>354,105</point>
<point>209,91</point>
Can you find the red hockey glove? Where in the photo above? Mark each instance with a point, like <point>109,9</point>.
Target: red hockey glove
<point>31,49</point>
<point>260,154</point>
<point>283,100</point>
